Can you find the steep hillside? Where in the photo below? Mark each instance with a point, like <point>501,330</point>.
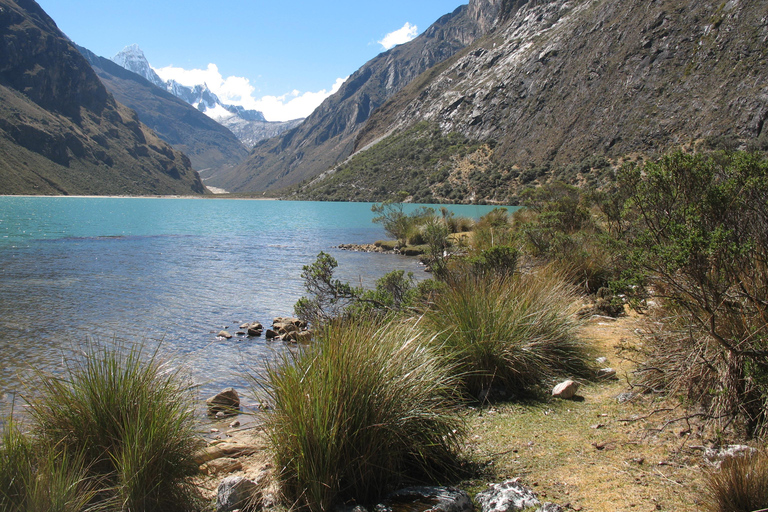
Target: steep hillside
<point>61,132</point>
<point>559,83</point>
<point>207,144</point>
<point>327,136</point>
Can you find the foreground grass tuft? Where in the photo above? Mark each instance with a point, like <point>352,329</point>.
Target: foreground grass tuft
<point>516,332</point>
<point>740,485</point>
<point>131,420</point>
<point>39,478</point>
<point>367,408</point>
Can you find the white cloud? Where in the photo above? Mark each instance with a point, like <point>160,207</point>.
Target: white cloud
<point>294,104</point>
<point>399,36</point>
<point>236,90</point>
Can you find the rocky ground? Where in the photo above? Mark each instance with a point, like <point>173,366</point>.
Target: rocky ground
<point>605,450</point>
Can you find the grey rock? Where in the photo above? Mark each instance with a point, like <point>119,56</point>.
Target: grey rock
<point>506,497</point>
<point>716,456</point>
<point>624,397</point>
<point>606,374</point>
<point>426,499</point>
<point>234,492</point>
<point>228,402</point>
<point>550,507</point>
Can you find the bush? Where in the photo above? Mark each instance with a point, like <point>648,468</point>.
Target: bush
<point>131,419</point>
<point>741,484</point>
<point>366,409</point>
<point>517,332</point>
<point>701,239</point>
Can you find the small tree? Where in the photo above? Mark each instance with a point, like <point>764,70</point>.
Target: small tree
<point>701,236</point>
<point>398,224</point>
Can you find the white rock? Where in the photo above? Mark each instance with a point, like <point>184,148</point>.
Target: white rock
<point>506,497</point>
<point>566,389</point>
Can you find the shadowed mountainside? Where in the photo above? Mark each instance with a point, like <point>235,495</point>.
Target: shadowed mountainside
<point>208,144</point>
<point>61,132</point>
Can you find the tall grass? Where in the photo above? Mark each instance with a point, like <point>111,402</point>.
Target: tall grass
<point>39,478</point>
<point>367,408</point>
<point>516,332</point>
<point>741,484</point>
<point>131,419</point>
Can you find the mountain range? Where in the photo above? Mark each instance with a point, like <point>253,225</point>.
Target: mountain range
<point>494,97</point>
<point>328,135</point>
<point>61,131</point>
<point>249,126</point>
<point>540,90</point>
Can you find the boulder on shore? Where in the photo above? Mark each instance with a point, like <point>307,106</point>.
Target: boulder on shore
<point>228,402</point>
<point>234,493</point>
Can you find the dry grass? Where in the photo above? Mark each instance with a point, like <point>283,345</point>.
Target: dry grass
<point>582,453</point>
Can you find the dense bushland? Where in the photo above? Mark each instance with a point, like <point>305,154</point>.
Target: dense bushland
<point>699,239</point>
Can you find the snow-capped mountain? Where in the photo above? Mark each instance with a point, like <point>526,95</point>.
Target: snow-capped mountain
<point>251,126</point>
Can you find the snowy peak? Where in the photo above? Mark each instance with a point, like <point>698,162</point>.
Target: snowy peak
<point>249,126</point>
<point>133,59</point>
<point>200,96</point>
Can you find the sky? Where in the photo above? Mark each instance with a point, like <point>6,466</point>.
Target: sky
<point>282,58</point>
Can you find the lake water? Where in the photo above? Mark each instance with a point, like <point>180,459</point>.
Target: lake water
<point>128,270</point>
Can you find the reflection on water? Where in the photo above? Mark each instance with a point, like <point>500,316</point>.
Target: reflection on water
<point>179,271</point>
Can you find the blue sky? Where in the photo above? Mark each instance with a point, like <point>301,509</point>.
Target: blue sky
<point>268,54</point>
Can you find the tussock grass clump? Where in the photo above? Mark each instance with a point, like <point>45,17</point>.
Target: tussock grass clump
<point>367,408</point>
<point>131,419</point>
<point>741,484</point>
<point>36,478</point>
<point>517,332</point>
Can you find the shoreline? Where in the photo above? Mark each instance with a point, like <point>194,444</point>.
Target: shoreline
<point>141,197</point>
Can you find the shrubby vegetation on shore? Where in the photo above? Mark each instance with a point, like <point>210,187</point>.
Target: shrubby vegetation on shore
<point>689,231</point>
<point>376,401</point>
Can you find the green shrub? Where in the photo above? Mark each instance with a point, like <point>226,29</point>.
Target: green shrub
<point>699,235</point>
<point>740,485</point>
<point>131,419</point>
<point>517,332</point>
<point>362,411</point>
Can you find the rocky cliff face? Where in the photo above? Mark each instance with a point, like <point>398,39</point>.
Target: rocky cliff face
<point>208,144</point>
<point>558,81</point>
<point>327,136</point>
<point>61,132</point>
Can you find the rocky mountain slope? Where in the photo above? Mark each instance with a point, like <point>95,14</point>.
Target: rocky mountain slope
<point>559,84</point>
<point>327,136</point>
<point>249,126</point>
<point>61,132</point>
<point>208,144</point>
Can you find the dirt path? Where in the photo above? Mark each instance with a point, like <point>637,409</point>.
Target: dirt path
<point>585,454</point>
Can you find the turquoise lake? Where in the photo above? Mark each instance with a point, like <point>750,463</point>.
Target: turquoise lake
<point>139,270</point>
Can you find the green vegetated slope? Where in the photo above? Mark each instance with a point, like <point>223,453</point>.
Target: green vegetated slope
<point>208,144</point>
<point>327,136</point>
<point>563,89</point>
<point>61,132</point>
